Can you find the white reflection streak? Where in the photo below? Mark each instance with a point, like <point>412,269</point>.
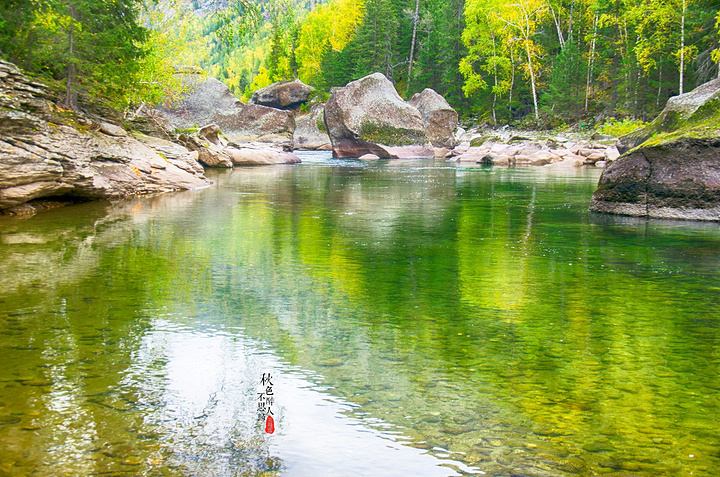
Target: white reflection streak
<point>208,394</point>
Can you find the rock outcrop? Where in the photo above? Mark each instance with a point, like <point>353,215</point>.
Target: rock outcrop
<point>368,117</point>
<point>283,95</point>
<point>675,172</point>
<point>44,152</point>
<point>310,131</point>
<point>439,117</point>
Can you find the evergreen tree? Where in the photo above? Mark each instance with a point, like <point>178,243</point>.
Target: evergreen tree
<point>94,47</point>
<point>564,95</point>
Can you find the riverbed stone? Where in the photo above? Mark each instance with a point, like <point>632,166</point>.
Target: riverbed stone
<point>250,156</point>
<point>369,117</point>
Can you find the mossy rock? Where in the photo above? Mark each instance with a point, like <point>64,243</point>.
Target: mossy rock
<point>186,130</point>
<point>479,141</point>
<point>672,172</point>
<point>693,115</point>
<point>390,136</point>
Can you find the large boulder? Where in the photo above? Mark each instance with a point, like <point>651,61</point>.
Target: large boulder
<point>439,117</point>
<point>206,100</point>
<point>45,154</point>
<point>368,117</point>
<point>283,95</point>
<point>261,124</point>
<point>250,156</point>
<point>310,131</point>
<point>675,173</point>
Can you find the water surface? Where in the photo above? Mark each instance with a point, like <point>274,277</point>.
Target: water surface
<point>418,318</point>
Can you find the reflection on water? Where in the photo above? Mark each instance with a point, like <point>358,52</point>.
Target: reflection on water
<point>420,318</point>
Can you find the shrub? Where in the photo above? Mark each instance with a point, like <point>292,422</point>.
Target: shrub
<point>615,128</point>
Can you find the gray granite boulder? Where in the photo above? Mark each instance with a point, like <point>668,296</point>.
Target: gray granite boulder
<point>439,117</point>
<point>283,95</point>
<point>310,131</point>
<point>369,117</point>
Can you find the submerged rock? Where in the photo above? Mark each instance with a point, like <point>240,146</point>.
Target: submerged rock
<point>283,95</point>
<point>45,154</point>
<point>674,172</point>
<point>439,117</point>
<point>368,117</point>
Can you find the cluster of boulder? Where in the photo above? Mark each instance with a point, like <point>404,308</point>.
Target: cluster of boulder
<point>368,119</point>
<point>225,132</point>
<point>512,149</point>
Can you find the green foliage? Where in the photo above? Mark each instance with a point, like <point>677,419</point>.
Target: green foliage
<point>496,60</point>
<point>102,52</point>
<point>564,95</point>
<point>615,128</point>
<point>325,31</point>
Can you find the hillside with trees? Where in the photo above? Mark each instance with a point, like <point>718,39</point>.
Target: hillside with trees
<point>496,61</point>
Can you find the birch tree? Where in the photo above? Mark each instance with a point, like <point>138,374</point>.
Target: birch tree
<point>522,18</point>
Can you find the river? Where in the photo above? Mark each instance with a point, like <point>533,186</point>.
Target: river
<point>414,318</point>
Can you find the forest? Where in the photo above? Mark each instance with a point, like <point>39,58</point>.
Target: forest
<point>536,63</point>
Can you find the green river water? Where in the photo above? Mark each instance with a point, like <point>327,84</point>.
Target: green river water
<point>417,318</point>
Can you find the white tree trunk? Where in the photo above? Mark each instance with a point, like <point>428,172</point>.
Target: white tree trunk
<point>591,63</point>
<point>682,46</point>
<point>532,78</point>
<point>412,45</point>
<point>557,27</point>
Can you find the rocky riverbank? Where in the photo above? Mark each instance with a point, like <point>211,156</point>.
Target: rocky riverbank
<point>48,155</point>
<point>507,147</point>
